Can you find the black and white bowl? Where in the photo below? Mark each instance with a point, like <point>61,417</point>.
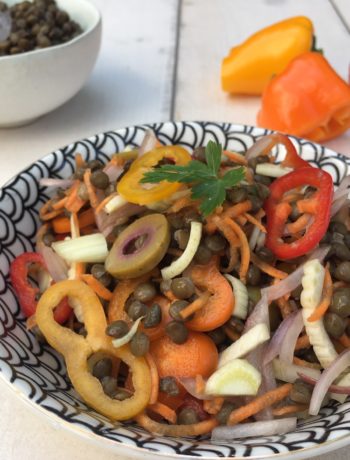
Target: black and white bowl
<point>37,373</point>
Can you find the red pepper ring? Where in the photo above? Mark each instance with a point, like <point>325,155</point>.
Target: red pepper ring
<point>292,160</point>
<point>277,212</point>
<point>26,293</point>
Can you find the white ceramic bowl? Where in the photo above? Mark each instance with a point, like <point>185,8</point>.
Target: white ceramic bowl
<point>37,373</point>
<point>37,82</point>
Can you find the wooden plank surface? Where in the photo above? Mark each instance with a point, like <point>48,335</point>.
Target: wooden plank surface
<point>343,9</point>
<point>209,29</point>
<point>131,83</point>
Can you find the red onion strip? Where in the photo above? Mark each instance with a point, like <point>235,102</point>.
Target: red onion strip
<point>337,205</point>
<point>344,184</point>
<point>261,146</point>
<point>328,376</point>
<point>56,266</point>
<point>255,429</point>
<point>190,386</point>
<point>274,347</point>
<point>332,388</point>
<point>113,171</point>
<point>48,182</point>
<point>291,337</point>
<point>149,142</point>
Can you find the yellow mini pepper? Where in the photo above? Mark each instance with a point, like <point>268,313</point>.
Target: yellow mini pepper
<point>249,67</point>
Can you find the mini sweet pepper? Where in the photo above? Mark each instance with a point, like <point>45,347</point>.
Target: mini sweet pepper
<point>250,66</point>
<point>308,99</point>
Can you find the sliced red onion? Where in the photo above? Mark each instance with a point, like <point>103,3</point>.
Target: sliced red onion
<point>149,142</point>
<point>105,223</point>
<point>338,204</point>
<point>340,193</point>
<point>291,337</point>
<point>261,240</point>
<point>274,347</point>
<point>264,144</point>
<point>48,182</point>
<point>290,372</point>
<point>332,388</point>
<point>190,386</point>
<point>113,171</point>
<point>260,313</point>
<point>255,429</point>
<point>5,25</point>
<point>344,184</point>
<point>327,377</point>
<point>56,266</point>
<point>292,281</point>
<point>254,238</point>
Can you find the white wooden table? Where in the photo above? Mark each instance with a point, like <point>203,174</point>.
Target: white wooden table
<point>160,60</point>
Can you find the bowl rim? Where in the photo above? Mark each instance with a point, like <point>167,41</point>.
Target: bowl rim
<point>141,453</point>
<point>88,31</point>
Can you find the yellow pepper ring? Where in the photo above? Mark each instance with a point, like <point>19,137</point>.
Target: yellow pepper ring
<point>130,188</point>
<point>76,350</point>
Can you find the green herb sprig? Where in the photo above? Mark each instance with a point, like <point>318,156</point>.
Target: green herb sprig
<point>207,185</point>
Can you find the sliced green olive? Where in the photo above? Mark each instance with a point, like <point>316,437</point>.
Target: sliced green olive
<point>139,248</point>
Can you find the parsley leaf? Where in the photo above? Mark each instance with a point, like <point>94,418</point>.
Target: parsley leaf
<point>207,184</point>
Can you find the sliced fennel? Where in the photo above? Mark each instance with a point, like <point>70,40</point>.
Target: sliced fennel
<point>245,344</point>
<point>241,297</point>
<point>88,248</point>
<point>236,378</point>
<point>114,204</point>
<point>287,372</point>
<point>180,264</point>
<point>312,283</point>
<point>271,170</point>
<point>117,343</point>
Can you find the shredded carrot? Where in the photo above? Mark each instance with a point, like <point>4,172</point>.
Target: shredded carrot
<point>327,294</point>
<point>170,295</point>
<point>213,406</point>
<point>79,269</point>
<point>164,411</point>
<point>62,224</point>
<point>31,322</point>
<point>232,212</point>
<point>90,189</point>
<point>259,403</point>
<point>97,286</point>
<point>253,220</point>
<point>74,203</point>
<point>293,196</point>
<point>303,363</point>
<point>46,212</point>
<point>106,200</point>
<point>245,250</point>
<point>267,268</point>
<point>233,240</point>
<point>241,220</point>
<point>181,203</point>
<point>278,411</point>
<point>154,378</point>
<point>75,230</point>
<point>195,305</point>
<point>299,225</point>
<point>302,342</point>
<point>79,162</point>
<point>344,340</point>
<point>309,205</point>
<point>60,204</point>
<point>235,157</point>
<point>231,334</point>
<point>200,384</point>
<point>161,429</point>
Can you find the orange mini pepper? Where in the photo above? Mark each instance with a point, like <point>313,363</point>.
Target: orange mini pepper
<point>309,99</point>
<point>250,66</point>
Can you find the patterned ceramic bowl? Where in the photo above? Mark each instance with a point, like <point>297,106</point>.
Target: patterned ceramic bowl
<point>37,373</point>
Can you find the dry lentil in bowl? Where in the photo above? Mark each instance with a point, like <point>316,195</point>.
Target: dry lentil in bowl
<point>34,25</point>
